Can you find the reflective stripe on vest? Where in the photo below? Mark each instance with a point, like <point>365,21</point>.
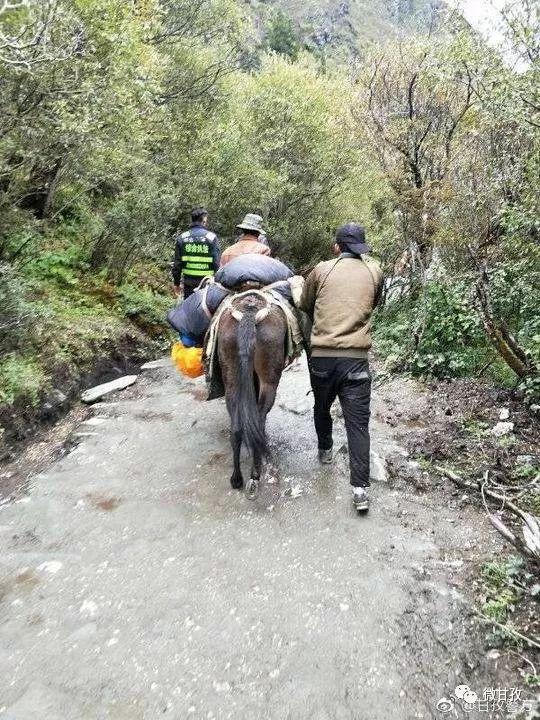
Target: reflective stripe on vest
<point>198,273</point>
<point>196,266</point>
<point>198,260</point>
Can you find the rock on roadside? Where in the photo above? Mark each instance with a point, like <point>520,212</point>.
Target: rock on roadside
<point>377,469</point>
<point>155,364</point>
<point>99,391</point>
<point>502,428</point>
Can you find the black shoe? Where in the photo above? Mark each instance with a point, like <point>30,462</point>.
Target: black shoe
<point>326,457</point>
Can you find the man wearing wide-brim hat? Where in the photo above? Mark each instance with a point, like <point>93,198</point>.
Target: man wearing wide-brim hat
<point>249,242</point>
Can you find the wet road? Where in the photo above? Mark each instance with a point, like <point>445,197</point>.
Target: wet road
<point>137,585</point>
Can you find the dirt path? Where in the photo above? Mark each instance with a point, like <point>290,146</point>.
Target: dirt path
<point>136,584</point>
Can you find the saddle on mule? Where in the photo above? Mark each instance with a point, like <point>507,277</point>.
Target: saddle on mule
<point>271,299</point>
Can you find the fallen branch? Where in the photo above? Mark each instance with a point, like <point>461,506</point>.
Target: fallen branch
<point>530,544</point>
<point>509,631</point>
<point>484,368</point>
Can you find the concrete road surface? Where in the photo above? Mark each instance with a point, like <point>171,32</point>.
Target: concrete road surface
<point>137,585</point>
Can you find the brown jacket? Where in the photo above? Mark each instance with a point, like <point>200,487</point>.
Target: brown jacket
<point>340,296</point>
<point>247,244</point>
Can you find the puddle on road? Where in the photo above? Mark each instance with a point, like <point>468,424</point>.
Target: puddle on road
<point>23,582</point>
<point>218,458</point>
<point>104,503</point>
<point>27,578</point>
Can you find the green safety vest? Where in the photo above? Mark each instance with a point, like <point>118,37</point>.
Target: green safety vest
<point>197,260</point>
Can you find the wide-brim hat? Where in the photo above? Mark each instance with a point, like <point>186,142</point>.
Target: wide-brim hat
<point>251,222</point>
<point>352,238</point>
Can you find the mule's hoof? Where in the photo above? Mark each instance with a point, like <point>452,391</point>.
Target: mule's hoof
<point>252,488</point>
<point>237,482</point>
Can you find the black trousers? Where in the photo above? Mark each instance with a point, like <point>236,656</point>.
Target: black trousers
<point>190,285</point>
<point>349,380</point>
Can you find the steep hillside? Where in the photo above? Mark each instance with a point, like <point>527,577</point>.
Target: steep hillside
<point>348,25</point>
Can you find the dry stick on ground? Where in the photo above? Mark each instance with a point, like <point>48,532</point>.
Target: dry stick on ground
<point>509,631</point>
<point>530,545</point>
<point>523,546</point>
<point>525,659</point>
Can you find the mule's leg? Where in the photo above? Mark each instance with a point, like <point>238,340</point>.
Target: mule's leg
<point>237,480</point>
<point>269,363</point>
<point>228,357</point>
<point>267,398</point>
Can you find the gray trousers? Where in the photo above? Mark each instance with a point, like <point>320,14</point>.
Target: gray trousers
<point>349,380</point>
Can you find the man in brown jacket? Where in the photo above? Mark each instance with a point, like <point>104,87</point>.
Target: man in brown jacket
<point>339,296</point>
<point>249,242</point>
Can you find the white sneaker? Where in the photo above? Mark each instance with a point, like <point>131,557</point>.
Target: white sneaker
<point>360,497</point>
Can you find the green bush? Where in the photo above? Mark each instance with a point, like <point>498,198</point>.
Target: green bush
<point>450,338</point>
<point>514,286</point>
<point>282,37</point>
<point>16,313</point>
<point>144,306</point>
<point>393,333</point>
<point>20,377</point>
<point>61,267</point>
<point>438,334</point>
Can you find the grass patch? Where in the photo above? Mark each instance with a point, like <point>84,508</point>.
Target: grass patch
<point>509,597</point>
<point>21,378</point>
<point>143,305</point>
<point>73,318</point>
<point>474,427</point>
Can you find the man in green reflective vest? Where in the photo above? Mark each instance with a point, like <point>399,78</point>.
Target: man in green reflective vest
<point>197,254</point>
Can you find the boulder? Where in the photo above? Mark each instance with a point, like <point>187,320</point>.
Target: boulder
<point>54,403</point>
<point>99,391</point>
<point>502,428</point>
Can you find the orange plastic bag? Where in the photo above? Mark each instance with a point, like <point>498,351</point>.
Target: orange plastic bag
<point>187,360</point>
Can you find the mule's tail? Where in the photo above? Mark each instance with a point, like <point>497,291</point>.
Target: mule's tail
<point>249,419</point>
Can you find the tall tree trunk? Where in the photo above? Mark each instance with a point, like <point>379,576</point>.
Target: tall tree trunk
<point>43,184</point>
<point>99,252</point>
<point>51,188</point>
<point>501,337</point>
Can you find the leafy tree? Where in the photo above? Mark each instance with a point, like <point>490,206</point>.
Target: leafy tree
<point>281,36</point>
<point>413,101</point>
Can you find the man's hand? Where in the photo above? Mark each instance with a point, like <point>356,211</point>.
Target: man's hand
<point>178,290</point>
<point>297,286</point>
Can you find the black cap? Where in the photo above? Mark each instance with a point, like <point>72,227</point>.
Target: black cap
<point>352,238</point>
<point>198,212</point>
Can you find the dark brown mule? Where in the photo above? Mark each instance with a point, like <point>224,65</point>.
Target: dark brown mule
<point>251,347</point>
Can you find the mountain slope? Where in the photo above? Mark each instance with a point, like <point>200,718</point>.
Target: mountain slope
<point>349,25</point>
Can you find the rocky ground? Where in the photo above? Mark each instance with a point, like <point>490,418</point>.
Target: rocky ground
<point>136,584</point>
